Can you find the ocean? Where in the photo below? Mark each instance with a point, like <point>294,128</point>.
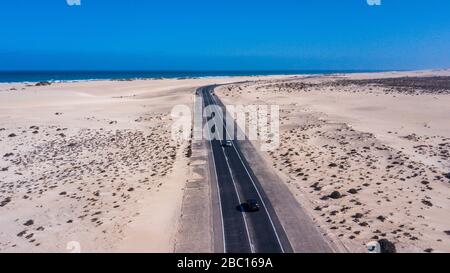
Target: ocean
<point>55,76</point>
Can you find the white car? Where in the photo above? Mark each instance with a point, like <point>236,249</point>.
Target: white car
<point>228,143</point>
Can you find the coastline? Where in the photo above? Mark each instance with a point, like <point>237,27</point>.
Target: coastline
<point>69,76</point>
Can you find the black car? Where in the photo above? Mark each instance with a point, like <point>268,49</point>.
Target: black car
<point>251,205</point>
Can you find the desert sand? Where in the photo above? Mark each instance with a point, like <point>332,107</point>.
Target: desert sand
<point>90,166</point>
<point>366,154</point>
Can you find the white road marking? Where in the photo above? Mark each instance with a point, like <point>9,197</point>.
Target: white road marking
<point>220,200</point>
<point>252,247</point>
<point>236,191</point>
<point>256,188</point>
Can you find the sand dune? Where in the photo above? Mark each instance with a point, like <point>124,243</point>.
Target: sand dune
<point>91,162</point>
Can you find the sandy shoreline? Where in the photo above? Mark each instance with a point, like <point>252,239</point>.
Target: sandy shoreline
<point>93,162</point>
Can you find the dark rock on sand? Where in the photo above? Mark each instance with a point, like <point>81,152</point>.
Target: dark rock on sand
<point>43,84</point>
<point>335,195</point>
<point>5,201</point>
<point>28,223</point>
<point>386,246</point>
<point>357,215</point>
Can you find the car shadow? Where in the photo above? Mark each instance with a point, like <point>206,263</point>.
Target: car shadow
<point>241,208</point>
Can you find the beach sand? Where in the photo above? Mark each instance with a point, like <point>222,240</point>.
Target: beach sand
<point>366,154</point>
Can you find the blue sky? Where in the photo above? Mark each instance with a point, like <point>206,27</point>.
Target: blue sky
<point>224,35</point>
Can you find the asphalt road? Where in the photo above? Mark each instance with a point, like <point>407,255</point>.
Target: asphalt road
<point>242,232</point>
